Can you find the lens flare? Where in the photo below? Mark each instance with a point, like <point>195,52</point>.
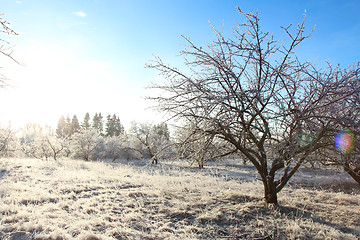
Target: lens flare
<point>344,141</point>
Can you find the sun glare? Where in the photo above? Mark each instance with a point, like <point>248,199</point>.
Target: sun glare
<point>41,86</point>
<point>53,82</point>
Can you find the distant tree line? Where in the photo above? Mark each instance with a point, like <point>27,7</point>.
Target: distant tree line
<point>68,126</point>
<point>89,140</point>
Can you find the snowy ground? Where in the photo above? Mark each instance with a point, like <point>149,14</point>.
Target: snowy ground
<point>73,199</point>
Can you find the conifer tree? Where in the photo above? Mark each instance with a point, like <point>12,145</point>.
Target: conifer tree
<point>113,126</point>
<point>86,123</point>
<point>75,126</point>
<point>60,127</point>
<point>98,123</point>
<point>162,130</point>
<point>109,131</point>
<point>68,127</point>
<point>118,127</point>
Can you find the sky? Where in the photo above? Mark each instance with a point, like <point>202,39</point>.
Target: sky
<point>81,56</point>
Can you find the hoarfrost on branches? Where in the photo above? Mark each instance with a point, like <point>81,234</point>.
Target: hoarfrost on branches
<point>255,95</point>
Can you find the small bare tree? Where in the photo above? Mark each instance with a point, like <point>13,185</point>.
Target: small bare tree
<point>56,145</point>
<point>152,139</point>
<point>33,142</point>
<point>8,142</point>
<point>87,144</point>
<point>258,96</point>
<point>117,147</point>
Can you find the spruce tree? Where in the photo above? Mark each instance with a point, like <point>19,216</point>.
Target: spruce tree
<point>75,126</point>
<point>113,126</point>
<point>94,121</point>
<point>118,127</point>
<point>109,131</point>
<point>98,123</point>
<point>86,123</point>
<point>60,127</point>
<point>162,130</point>
<point>67,129</point>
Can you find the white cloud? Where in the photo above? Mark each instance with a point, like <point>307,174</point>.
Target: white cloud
<point>79,13</point>
<point>19,2</point>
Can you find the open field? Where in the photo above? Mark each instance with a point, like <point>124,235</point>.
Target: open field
<point>73,199</point>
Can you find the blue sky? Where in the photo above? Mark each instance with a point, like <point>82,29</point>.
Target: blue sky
<point>89,55</point>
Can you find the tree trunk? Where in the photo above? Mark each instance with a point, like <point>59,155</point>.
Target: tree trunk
<point>153,157</point>
<point>270,191</point>
<point>355,175</point>
<point>154,160</point>
<point>201,165</point>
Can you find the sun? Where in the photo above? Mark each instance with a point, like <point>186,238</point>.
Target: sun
<point>40,86</point>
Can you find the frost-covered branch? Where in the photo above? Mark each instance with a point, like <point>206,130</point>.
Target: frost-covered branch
<point>6,49</point>
<point>258,97</point>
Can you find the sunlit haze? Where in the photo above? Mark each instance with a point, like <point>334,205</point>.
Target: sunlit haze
<point>89,55</point>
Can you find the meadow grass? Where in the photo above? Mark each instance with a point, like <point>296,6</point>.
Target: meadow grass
<point>74,199</point>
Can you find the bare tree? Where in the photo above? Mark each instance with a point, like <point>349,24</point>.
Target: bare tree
<point>154,139</point>
<point>351,123</point>
<point>35,145</point>
<point>344,149</point>
<point>258,96</point>
<point>56,145</point>
<point>38,142</point>
<point>5,45</point>
<point>117,147</point>
<point>87,144</point>
<point>8,142</point>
